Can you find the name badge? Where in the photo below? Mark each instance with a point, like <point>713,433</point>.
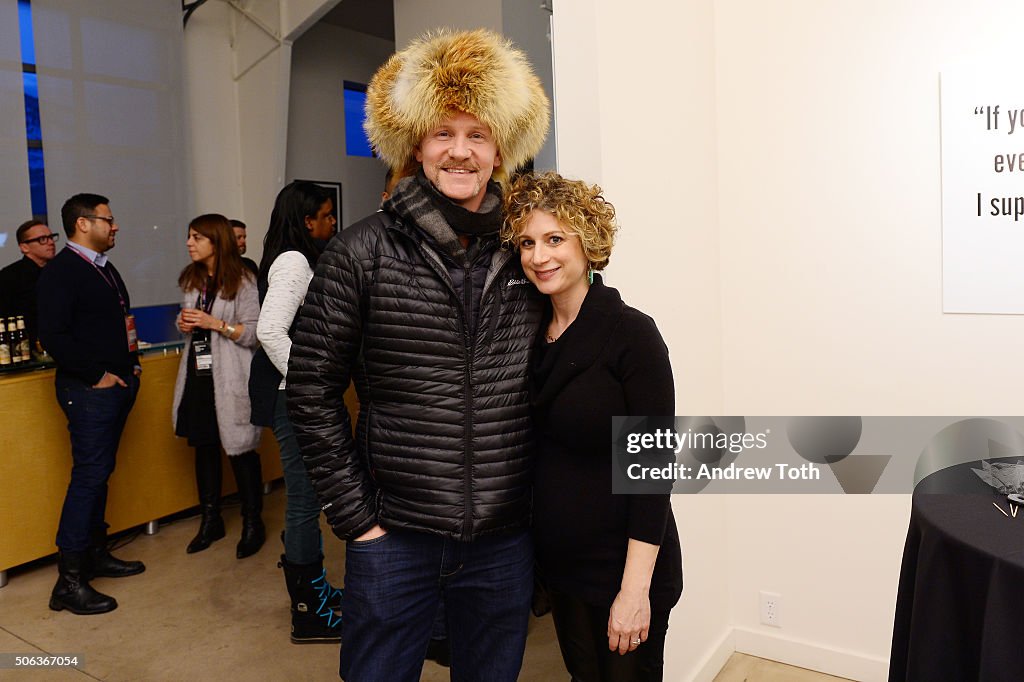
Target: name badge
<point>133,336</point>
<point>203,357</point>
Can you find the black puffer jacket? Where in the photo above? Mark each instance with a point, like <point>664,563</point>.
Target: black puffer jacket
<point>443,442</point>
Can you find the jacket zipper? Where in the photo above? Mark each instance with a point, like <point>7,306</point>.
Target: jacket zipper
<point>504,257</point>
<point>463,310</point>
<point>440,271</point>
<point>467,428</point>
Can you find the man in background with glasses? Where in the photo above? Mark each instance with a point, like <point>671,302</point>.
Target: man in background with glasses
<point>18,280</point>
<point>85,323</point>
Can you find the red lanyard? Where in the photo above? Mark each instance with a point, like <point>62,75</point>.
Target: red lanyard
<point>205,304</point>
<point>111,282</point>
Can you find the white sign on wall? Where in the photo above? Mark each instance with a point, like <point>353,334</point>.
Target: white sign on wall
<point>982,192</point>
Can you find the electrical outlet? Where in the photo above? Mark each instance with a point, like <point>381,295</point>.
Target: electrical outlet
<point>770,606</point>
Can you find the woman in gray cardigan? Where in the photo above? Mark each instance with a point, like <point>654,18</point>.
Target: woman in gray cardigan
<point>219,311</point>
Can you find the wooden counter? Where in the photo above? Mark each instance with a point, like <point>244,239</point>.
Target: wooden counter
<point>154,477</point>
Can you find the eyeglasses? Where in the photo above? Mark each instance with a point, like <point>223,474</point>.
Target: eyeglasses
<point>108,218</point>
<point>45,239</point>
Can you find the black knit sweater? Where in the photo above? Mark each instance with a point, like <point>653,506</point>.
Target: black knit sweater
<point>81,322</point>
<point>610,361</point>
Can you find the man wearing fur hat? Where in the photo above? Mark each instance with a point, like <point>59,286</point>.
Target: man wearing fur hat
<point>434,321</point>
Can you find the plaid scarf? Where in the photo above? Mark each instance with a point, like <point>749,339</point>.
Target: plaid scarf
<point>417,202</point>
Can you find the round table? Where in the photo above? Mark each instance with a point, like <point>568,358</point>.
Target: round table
<point>960,606</point>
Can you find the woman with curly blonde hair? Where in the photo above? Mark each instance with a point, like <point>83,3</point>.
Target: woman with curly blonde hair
<point>611,563</point>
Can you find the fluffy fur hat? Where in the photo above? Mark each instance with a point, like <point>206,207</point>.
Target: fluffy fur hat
<point>477,72</point>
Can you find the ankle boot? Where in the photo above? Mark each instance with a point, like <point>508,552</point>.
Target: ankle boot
<point>73,592</point>
<point>101,564</point>
<point>312,617</point>
<point>250,493</point>
<point>324,588</point>
<point>208,482</point>
<point>332,593</point>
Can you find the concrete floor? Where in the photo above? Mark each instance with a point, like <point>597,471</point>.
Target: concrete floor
<point>205,616</point>
<point>744,668</point>
<point>210,616</point>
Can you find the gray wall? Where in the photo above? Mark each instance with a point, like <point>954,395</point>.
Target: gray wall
<point>528,25</point>
<point>415,17</point>
<point>111,111</point>
<point>15,206</point>
<point>322,59</point>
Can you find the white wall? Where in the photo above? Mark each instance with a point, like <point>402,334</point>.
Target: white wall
<point>636,113</point>
<point>322,59</point>
<point>776,170</point>
<point>829,159</point>
<point>236,88</point>
<point>829,185</point>
<point>298,16</point>
<point>576,124</point>
<point>211,105</point>
<point>263,103</point>
<point>776,167</point>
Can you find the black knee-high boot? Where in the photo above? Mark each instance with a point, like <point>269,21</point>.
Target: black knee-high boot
<point>208,482</point>
<point>249,477</point>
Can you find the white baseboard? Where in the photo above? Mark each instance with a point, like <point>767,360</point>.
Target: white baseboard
<point>839,662</point>
<point>714,660</point>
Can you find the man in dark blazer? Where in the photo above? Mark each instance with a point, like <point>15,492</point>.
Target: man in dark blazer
<point>85,324</point>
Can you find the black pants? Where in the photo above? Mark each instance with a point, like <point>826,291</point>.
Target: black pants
<point>96,418</point>
<point>583,638</point>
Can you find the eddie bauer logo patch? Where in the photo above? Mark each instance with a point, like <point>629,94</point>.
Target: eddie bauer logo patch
<point>516,282</point>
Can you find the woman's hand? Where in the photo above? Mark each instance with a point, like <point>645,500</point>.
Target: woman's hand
<point>192,318</point>
<point>182,326</point>
<point>629,620</point>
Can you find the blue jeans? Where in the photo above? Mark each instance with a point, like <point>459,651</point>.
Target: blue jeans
<point>96,418</point>
<point>302,513</point>
<point>394,584</point>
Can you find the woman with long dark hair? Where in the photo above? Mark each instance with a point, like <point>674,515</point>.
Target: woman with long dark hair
<point>219,311</point>
<point>300,225</point>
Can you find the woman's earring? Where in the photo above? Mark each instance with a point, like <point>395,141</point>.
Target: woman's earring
<point>590,275</point>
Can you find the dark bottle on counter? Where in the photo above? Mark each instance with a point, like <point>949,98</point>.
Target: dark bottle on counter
<point>24,346</point>
<point>5,345</point>
<point>13,346</point>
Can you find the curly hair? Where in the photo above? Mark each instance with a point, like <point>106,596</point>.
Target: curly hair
<point>577,206</point>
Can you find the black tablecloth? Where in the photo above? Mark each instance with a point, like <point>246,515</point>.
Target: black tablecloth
<point>960,607</point>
